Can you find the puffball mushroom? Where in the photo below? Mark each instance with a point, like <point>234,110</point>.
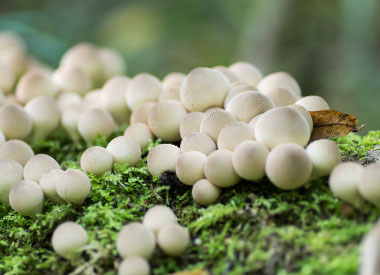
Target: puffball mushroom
<point>173,239</point>
<point>161,158</point>
<point>7,79</point>
<point>369,183</point>
<point>140,132</point>
<point>281,96</point>
<point>69,120</point>
<point>218,169</point>
<point>96,160</point>
<point>253,123</point>
<point>73,186</point>
<point>72,79</point>
<point>134,266</point>
<point>142,88</point>
<point>204,88</point>
<point>26,197</point>
<point>305,113</point>
<point>248,160</point>
<point>313,103</point>
<point>135,239</point>
<point>16,60</point>
<point>2,138</point>
<point>214,121</point>
<point>279,79</point>
<point>235,90</point>
<point>124,150</point>
<point>66,99</point>
<point>93,100</point>
<point>174,79</point>
<point>246,72</point>
<point>190,123</point>
<point>95,122</point>
<point>288,166</point>
<point>344,182</point>
<point>197,141</point>
<point>45,115</point>
<point>141,113</point>
<point>68,239</point>
<point>249,104</point>
<point>233,134</point>
<point>205,193</point>
<point>189,168</point>
<point>38,165</point>
<point>11,172</point>
<point>232,77</point>
<point>369,252</point>
<point>48,184</point>
<point>15,123</point>
<point>164,119</point>
<point>324,155</point>
<point>112,62</point>
<point>158,217</point>
<point>10,39</point>
<point>16,150</point>
<point>282,125</point>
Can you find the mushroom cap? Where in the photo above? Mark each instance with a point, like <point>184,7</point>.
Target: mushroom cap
<point>161,158</point>
<point>189,168</point>
<point>288,166</point>
<point>218,169</point>
<point>313,103</point>
<point>205,193</point>
<point>190,123</point>
<point>16,60</point>
<point>2,138</point>
<point>15,123</point>
<point>282,125</point>
<point>10,40</point>
<point>96,160</point>
<point>74,79</point>
<point>235,90</point>
<point>66,99</point>
<point>135,239</point>
<point>113,63</point>
<point>69,120</point>
<point>233,134</point>
<point>174,79</point>
<point>16,150</point>
<point>279,79</point>
<point>305,113</point>
<point>140,132</point>
<point>204,88</point>
<point>142,88</point>
<point>232,77</point>
<point>369,183</point>
<point>281,96</point>
<point>11,172</point>
<point>141,113</point>
<point>252,124</point>
<point>164,119</point>
<point>248,160</point>
<point>173,239</point>
<point>26,197</point>
<point>93,100</point>
<point>158,217</point>
<point>199,142</point>
<point>124,150</point>
<point>73,186</point>
<point>7,79</point>
<point>95,122</point>
<point>369,252</point>
<point>214,121</point>
<point>246,72</point>
<point>345,180</point>
<point>48,184</point>
<point>324,155</point>
<point>38,165</point>
<point>68,239</point>
<point>134,265</point>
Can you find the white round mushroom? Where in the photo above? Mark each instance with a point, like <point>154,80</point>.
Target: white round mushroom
<point>69,120</point>
<point>11,40</point>
<point>214,121</point>
<point>73,186</point>
<point>246,72</point>
<point>232,77</point>
<point>190,123</point>
<point>281,96</point>
<point>124,150</point>
<point>72,79</point>
<point>158,217</point>
<point>313,103</point>
<point>140,132</point>
<point>26,197</point>
<point>189,168</point>
<point>16,60</point>
<point>93,100</point>
<point>134,266</point>
<point>174,79</point>
<point>279,79</point>
<point>140,113</point>
<point>205,193</point>
<point>15,123</point>
<point>253,123</point>
<point>199,142</point>
<point>48,182</point>
<point>11,172</point>
<point>96,160</point>
<point>369,183</point>
<point>2,138</point>
<point>112,62</point>
<point>16,150</point>
<point>233,134</point>
<point>66,99</point>
<point>38,165</point>
<point>173,239</point>
<point>162,158</point>
<point>7,79</point>
<point>235,90</point>
<point>305,113</point>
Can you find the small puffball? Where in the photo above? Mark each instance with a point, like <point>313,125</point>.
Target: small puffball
<point>16,60</point>
<point>26,197</point>
<point>162,158</point>
<point>345,180</point>
<point>235,90</point>
<point>324,155</point>
<point>69,120</point>
<point>2,98</point>
<point>173,79</point>
<point>189,168</point>
<point>11,99</point>
<point>142,88</point>
<point>48,184</point>
<point>246,72</point>
<point>73,186</point>
<point>288,166</point>
<point>173,239</point>
<point>214,121</point>
<point>305,113</point>
<point>95,122</point>
<point>233,134</point>
<point>158,217</point>
<point>369,183</point>
<point>369,262</point>
<point>45,115</point>
<point>16,150</point>
<point>66,99</point>
<point>218,169</point>
<point>72,79</point>
<point>205,193</point>
<point>134,266</point>
<point>140,132</point>
<point>35,83</point>
<point>279,79</point>
<point>164,119</point>
<point>313,103</point>
<point>172,87</point>
<point>38,165</point>
<point>96,160</point>
<point>282,125</point>
<point>141,113</point>
<point>211,109</point>
<point>112,62</point>
<point>68,239</point>
<point>172,93</point>
<point>232,77</point>
<point>93,100</point>
<point>204,88</point>
<point>124,150</point>
<point>15,123</point>
<point>281,96</point>
<point>112,98</point>
<point>190,123</point>
<point>135,239</point>
<point>252,124</point>
<point>199,142</point>
<point>249,104</point>
<point>248,160</point>
<point>7,79</point>
<point>10,39</point>
<point>2,138</point>
<point>11,172</point>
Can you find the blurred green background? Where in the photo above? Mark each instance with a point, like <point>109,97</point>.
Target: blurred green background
<point>331,47</point>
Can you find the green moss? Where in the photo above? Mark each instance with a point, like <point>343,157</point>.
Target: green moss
<point>254,229</point>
